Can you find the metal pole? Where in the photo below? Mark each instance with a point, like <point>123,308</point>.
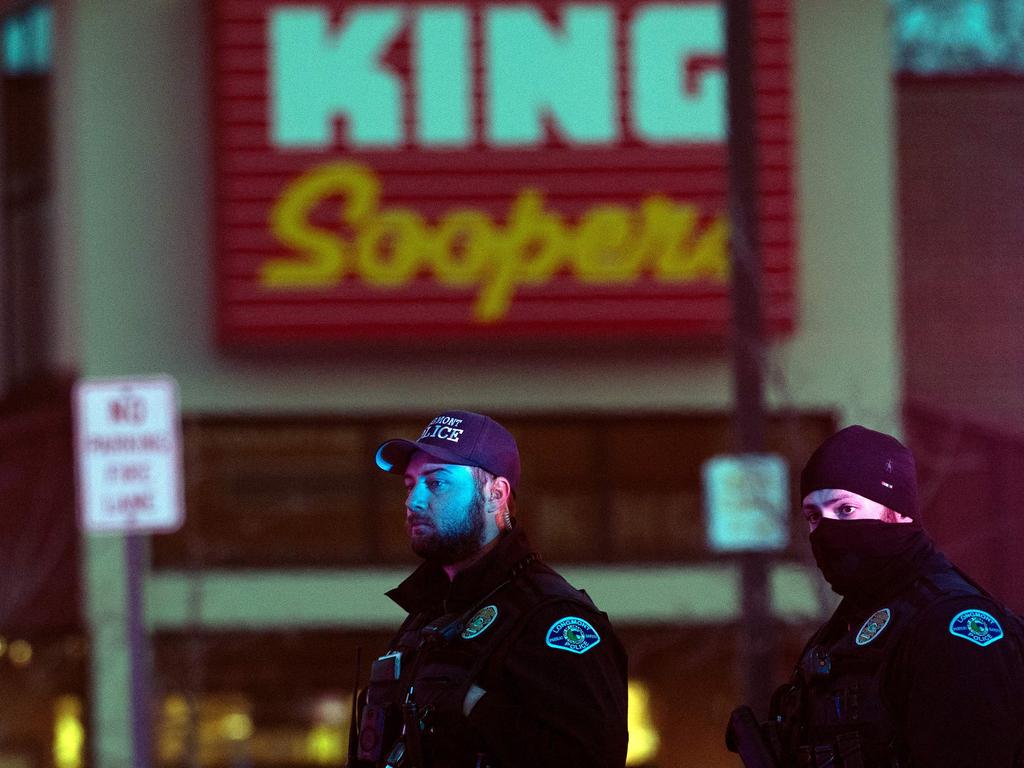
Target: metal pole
<point>757,645</point>
<point>138,649</point>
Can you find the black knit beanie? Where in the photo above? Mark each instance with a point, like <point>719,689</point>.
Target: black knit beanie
<point>871,464</point>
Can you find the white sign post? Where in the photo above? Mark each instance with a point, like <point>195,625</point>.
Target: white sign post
<point>129,461</point>
<point>128,445</point>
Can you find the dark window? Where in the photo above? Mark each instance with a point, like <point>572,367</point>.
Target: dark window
<point>304,492</point>
<point>25,193</point>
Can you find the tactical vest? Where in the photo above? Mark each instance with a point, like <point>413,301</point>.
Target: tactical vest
<point>433,659</point>
<point>835,699</point>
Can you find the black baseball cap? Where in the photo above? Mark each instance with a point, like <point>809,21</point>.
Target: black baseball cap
<point>458,437</point>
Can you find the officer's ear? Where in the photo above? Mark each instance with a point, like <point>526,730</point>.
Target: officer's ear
<point>498,499</point>
<point>500,492</point>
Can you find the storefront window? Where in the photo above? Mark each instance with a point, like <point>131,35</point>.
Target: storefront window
<point>283,699</point>
<point>267,492</point>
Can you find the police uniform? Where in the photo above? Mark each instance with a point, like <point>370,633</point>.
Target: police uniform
<point>553,671</point>
<point>932,675</point>
<point>918,666</point>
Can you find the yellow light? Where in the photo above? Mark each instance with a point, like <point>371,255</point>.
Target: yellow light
<point>643,736</point>
<point>20,652</point>
<point>237,726</point>
<point>176,708</point>
<point>68,732</point>
<point>173,729</point>
<point>325,745</point>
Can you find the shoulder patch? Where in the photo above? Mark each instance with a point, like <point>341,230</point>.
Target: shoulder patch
<point>980,627</point>
<point>481,620</point>
<point>873,627</point>
<point>572,634</point>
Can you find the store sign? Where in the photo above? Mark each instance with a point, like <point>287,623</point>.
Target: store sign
<point>129,455</point>
<point>487,169</point>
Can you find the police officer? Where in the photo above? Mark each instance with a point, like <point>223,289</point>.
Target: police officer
<point>500,662</point>
<point>918,666</point>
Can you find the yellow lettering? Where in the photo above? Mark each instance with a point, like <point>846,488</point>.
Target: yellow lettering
<point>710,256</point>
<point>461,248</point>
<point>664,224</point>
<point>388,248</point>
<point>323,253</point>
<point>528,252</point>
<point>681,254</point>
<point>607,250</point>
<point>611,244</point>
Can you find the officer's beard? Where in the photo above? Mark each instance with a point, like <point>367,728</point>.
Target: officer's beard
<point>455,542</point>
<point>868,559</point>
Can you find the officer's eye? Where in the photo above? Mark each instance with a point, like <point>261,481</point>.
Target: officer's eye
<point>845,510</point>
<point>812,515</point>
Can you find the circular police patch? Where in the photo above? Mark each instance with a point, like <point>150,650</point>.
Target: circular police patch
<point>873,627</point>
<point>980,627</point>
<point>481,620</point>
<point>573,634</point>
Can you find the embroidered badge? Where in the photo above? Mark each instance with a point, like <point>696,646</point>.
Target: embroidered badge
<point>481,620</point>
<point>977,626</point>
<point>873,627</point>
<point>573,634</point>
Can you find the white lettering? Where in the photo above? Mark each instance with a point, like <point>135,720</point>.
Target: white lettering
<point>317,75</point>
<point>535,76</point>
<point>534,72</point>
<point>666,40</point>
<point>443,69</point>
<point>448,433</point>
<point>451,421</point>
<point>443,428</point>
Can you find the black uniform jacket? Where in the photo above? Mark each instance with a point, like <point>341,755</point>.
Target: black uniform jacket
<point>555,690</point>
<point>944,659</point>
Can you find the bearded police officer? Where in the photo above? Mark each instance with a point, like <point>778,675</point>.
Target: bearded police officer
<point>500,662</point>
<point>918,666</point>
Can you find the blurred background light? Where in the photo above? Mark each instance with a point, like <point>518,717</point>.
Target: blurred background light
<point>326,745</point>
<point>643,736</point>
<point>237,726</point>
<point>68,732</point>
<point>20,652</point>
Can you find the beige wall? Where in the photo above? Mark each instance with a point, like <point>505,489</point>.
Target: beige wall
<point>137,193</point>
<point>847,351</point>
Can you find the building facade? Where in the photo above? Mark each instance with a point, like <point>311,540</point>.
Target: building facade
<point>256,607</point>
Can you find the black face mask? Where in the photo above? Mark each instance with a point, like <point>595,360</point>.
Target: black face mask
<point>863,559</point>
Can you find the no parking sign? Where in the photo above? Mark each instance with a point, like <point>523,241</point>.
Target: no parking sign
<point>129,458</point>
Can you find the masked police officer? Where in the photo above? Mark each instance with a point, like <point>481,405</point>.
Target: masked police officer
<point>500,662</point>
<point>918,666</point>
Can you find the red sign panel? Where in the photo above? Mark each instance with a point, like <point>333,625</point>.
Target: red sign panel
<point>487,169</point>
